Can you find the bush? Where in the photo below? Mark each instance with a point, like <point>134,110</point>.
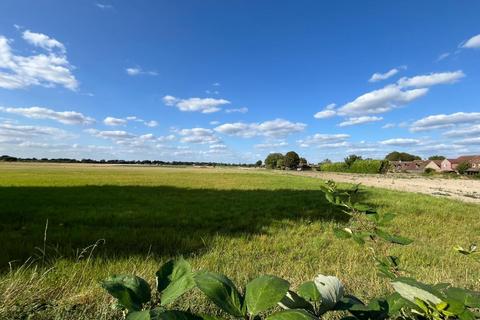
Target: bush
<point>429,171</point>
<point>369,166</point>
<point>334,167</point>
<point>463,167</point>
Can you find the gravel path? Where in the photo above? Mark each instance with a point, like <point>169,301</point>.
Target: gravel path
<point>467,190</point>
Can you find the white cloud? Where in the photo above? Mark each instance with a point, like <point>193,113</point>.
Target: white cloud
<point>19,133</point>
<point>469,131</point>
<point>198,135</point>
<point>218,147</point>
<point>328,112</point>
<point>323,139</point>
<point>359,120</point>
<point>469,141</point>
<point>400,142</point>
<point>42,40</point>
<point>383,76</point>
<point>65,117</point>
<point>46,70</point>
<point>214,123</point>
<point>203,105</point>
<point>138,71</point>
<point>111,134</point>
<point>388,126</point>
<point>272,128</point>
<point>431,79</point>
<point>443,56</point>
<point>239,110</point>
<point>381,100</point>
<point>111,121</point>
<point>103,6</point>
<point>473,42</point>
<point>397,95</point>
<point>441,121</point>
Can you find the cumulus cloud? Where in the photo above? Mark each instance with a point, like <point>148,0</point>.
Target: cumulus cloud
<point>12,133</point>
<point>65,117</point>
<point>328,112</point>
<point>42,40</point>
<point>468,131</point>
<point>138,71</point>
<point>198,135</point>
<point>359,120</point>
<point>111,121</point>
<point>238,110</point>
<point>396,95</point>
<point>431,79</point>
<point>400,142</point>
<point>203,105</point>
<point>441,121</point>
<point>381,100</point>
<point>272,128</point>
<point>472,43</point>
<point>46,70</point>
<point>383,76</point>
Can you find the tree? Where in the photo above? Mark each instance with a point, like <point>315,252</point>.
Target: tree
<point>291,160</point>
<point>303,162</point>
<point>463,167</point>
<point>258,163</point>
<point>272,159</point>
<point>436,157</point>
<point>351,159</point>
<point>281,163</point>
<point>401,156</point>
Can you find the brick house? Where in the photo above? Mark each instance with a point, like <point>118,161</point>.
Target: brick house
<point>435,165</point>
<point>450,165</point>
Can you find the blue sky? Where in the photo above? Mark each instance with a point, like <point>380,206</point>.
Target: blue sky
<point>233,81</point>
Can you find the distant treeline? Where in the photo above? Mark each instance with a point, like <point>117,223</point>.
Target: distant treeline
<point>6,158</point>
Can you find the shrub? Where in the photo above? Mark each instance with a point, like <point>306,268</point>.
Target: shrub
<point>334,167</point>
<point>429,171</point>
<point>463,167</point>
<point>369,166</point>
<point>350,160</point>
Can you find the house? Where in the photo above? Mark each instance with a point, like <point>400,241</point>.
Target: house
<point>435,165</point>
<point>450,165</point>
<point>409,166</point>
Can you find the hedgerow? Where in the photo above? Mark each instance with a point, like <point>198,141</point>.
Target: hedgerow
<point>359,166</point>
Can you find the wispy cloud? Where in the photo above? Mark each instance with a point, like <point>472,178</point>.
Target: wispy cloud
<point>136,71</point>
<point>359,120</point>
<point>65,117</point>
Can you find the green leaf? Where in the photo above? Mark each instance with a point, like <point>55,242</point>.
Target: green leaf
<point>130,291</point>
<point>221,291</point>
<point>411,289</point>
<point>309,291</point>
<point>294,301</point>
<point>469,298</point>
<point>395,303</point>
<point>292,315</point>
<point>387,217</point>
<point>139,315</point>
<point>174,279</point>
<point>264,293</point>
<point>330,197</point>
<point>392,238</point>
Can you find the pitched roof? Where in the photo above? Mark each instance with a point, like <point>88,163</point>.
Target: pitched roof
<point>465,159</point>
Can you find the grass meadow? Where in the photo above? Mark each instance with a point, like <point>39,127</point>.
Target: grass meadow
<point>112,219</point>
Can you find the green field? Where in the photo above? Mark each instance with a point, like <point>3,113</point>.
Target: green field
<point>239,222</point>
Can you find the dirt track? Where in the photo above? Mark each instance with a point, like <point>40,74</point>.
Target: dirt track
<point>467,190</point>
